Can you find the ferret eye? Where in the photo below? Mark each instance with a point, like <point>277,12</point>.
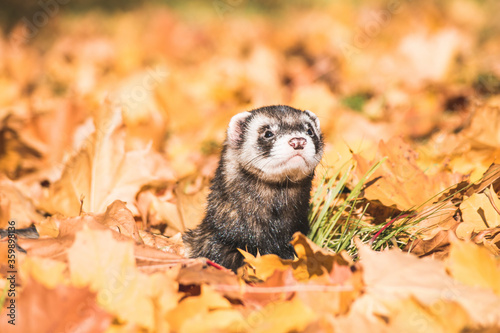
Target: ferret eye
<point>310,132</point>
<point>268,134</point>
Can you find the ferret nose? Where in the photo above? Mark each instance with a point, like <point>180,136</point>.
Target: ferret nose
<point>297,143</point>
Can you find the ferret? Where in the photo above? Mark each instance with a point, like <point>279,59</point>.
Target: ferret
<point>260,194</point>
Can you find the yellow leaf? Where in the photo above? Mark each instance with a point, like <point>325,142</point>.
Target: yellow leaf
<point>392,275</point>
<point>198,308</point>
<point>318,260</point>
<point>443,316</point>
<point>96,255</point>
<point>48,227</point>
<point>102,171</point>
<point>478,214</point>
<point>108,267</point>
<point>117,217</point>
<point>48,272</point>
<point>399,182</point>
<point>474,265</point>
<point>165,295</point>
<point>279,317</point>
<point>312,261</point>
<point>264,266</point>
<point>227,320</point>
<point>142,114</point>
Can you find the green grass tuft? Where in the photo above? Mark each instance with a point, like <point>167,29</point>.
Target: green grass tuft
<point>336,221</point>
<point>336,214</point>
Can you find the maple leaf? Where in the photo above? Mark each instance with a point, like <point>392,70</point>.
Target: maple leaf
<point>281,317</point>
<point>108,266</point>
<point>204,313</point>
<point>181,205</point>
<point>403,74</point>
<point>312,261</point>
<point>43,309</point>
<point>474,266</point>
<point>391,276</point>
<point>437,246</point>
<point>50,273</point>
<point>410,315</point>
<point>399,182</point>
<point>102,171</point>
<point>476,147</point>
<point>16,205</point>
<point>478,214</point>
<point>63,230</point>
<point>117,217</point>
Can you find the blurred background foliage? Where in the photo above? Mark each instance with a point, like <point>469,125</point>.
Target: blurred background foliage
<point>370,69</point>
<point>12,11</point>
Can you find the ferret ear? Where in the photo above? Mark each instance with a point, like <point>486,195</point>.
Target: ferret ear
<point>314,117</point>
<point>235,130</point>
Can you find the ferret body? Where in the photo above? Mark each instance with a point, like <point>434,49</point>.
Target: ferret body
<point>261,190</point>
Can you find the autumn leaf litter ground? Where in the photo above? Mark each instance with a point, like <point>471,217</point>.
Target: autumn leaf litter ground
<point>110,134</point>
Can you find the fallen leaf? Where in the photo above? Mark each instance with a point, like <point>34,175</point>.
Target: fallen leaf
<point>437,247</point>
<point>165,296</point>
<point>14,205</point>
<point>48,227</point>
<point>223,281</point>
<point>262,267</point>
<point>102,171</point>
<point>473,265</point>
<point>148,258</point>
<point>281,317</point>
<point>191,203</point>
<point>107,266</point>
<point>117,217</point>
<point>434,219</point>
<point>399,182</point>
<point>442,316</point>
<point>392,275</point>
<point>43,309</point>
<point>173,245</point>
<point>489,177</point>
<point>204,311</point>
<point>49,273</point>
<point>312,261</point>
<point>17,157</point>
<point>490,238</point>
<point>318,260</point>
<point>477,146</point>
<point>478,214</point>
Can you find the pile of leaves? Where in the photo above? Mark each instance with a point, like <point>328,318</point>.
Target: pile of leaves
<point>110,130</point>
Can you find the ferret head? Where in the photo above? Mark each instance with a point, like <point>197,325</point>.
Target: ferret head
<point>275,143</point>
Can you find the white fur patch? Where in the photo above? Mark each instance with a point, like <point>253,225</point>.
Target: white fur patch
<point>286,162</point>
<point>234,130</point>
<point>315,117</point>
<point>283,162</point>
